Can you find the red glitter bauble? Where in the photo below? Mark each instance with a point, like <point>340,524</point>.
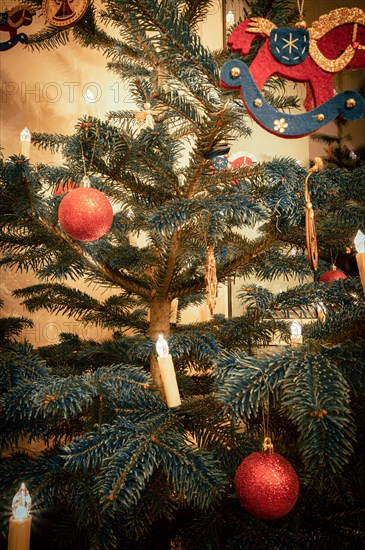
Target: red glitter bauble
<point>266,485</point>
<point>332,275</point>
<point>85,214</point>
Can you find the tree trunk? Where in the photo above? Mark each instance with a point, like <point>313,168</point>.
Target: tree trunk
<point>159,324</point>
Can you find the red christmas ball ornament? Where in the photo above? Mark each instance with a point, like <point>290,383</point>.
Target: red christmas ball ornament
<point>239,159</point>
<point>85,214</point>
<point>266,485</point>
<point>333,274</point>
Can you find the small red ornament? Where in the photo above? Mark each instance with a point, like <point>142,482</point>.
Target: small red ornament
<point>333,274</point>
<point>266,485</point>
<point>85,214</point>
<point>64,187</point>
<point>239,159</point>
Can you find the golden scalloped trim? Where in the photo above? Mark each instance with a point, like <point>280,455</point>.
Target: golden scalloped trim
<point>335,18</point>
<point>330,65</point>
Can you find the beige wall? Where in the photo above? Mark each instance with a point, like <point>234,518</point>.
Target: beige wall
<point>44,91</point>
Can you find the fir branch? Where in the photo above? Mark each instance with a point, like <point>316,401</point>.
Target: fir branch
<point>50,397</point>
<point>245,382</point>
<point>317,400</point>
<point>106,272</point>
<point>57,298</point>
<point>195,11</point>
<point>11,327</point>
<point>19,364</point>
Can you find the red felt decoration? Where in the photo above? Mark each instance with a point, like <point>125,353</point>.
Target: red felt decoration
<point>11,20</point>
<point>85,214</point>
<point>64,186</point>
<point>234,161</point>
<point>266,485</point>
<point>335,42</point>
<point>239,159</point>
<point>333,274</point>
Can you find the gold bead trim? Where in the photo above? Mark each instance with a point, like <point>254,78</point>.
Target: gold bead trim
<point>350,103</point>
<point>235,72</point>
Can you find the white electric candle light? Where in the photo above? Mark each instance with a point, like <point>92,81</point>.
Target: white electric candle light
<point>90,103</point>
<point>296,333</point>
<point>229,18</point>
<point>360,256</point>
<point>167,371</point>
<point>360,242</point>
<point>25,137</point>
<point>20,522</point>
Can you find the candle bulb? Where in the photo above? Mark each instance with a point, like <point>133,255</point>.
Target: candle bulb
<point>25,137</point>
<point>20,521</point>
<point>167,371</point>
<point>296,333</point>
<point>360,256</point>
<point>229,18</point>
<point>90,103</point>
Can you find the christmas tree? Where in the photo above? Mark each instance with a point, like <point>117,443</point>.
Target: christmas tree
<point>125,464</point>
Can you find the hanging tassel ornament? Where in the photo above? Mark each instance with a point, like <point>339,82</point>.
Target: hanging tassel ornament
<point>310,228</point>
<point>210,279</point>
<point>146,116</point>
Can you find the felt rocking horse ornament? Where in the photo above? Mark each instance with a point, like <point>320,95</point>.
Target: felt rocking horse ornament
<point>334,43</point>
<point>11,21</point>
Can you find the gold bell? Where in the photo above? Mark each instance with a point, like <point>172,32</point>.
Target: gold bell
<point>301,24</point>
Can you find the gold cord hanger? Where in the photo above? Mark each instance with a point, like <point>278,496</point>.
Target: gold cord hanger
<point>301,24</point>
<point>85,182</point>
